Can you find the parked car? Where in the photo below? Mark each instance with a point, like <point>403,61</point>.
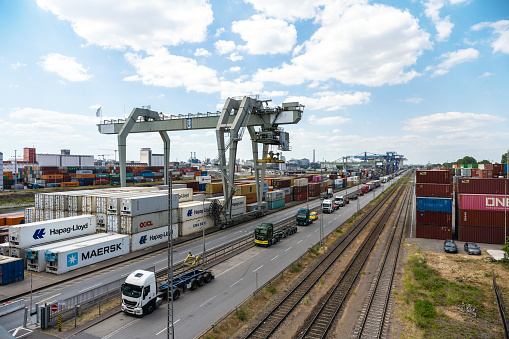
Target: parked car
<point>472,248</point>
<point>450,246</point>
<point>313,216</point>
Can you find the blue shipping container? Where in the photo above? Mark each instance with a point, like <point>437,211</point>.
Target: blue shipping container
<point>505,168</point>
<point>11,270</point>
<point>202,187</point>
<point>203,173</point>
<point>434,205</point>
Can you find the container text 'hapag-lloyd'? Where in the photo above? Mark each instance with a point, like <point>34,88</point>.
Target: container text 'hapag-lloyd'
<point>101,251</point>
<point>68,229</point>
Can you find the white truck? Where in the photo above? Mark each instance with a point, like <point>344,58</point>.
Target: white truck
<point>139,293</point>
<point>327,206</point>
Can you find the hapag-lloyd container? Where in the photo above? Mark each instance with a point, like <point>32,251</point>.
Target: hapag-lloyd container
<point>434,205</point>
<point>483,186</point>
<point>139,223</point>
<point>185,194</point>
<point>433,232</point>
<point>488,235</point>
<point>238,202</point>
<point>36,255</point>
<point>434,177</point>
<point>193,209</point>
<point>147,204</point>
<point>483,218</point>
<point>68,258</point>
<point>483,202</point>
<point>434,218</point>
<point>433,190</point>
<point>36,233</point>
<point>195,225</point>
<point>152,237</point>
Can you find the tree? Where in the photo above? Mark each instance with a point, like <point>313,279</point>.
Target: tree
<point>485,162</point>
<point>466,160</point>
<point>504,159</point>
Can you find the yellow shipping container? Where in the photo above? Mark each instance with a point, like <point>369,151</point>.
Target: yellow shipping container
<point>215,187</point>
<point>246,189</point>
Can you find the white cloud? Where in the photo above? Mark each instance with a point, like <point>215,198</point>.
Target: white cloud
<point>141,25</point>
<point>415,100</point>
<point>500,28</point>
<point>443,26</point>
<point>235,69</point>
<point>287,9</point>
<point>64,66</point>
<point>361,44</point>
<point>239,87</point>
<point>271,94</point>
<point>450,122</point>
<point>331,101</point>
<point>202,52</point>
<point>486,74</point>
<point>51,117</point>
<point>455,58</point>
<point>17,65</point>
<point>265,36</point>
<point>166,70</point>
<point>235,57</point>
<point>224,47</point>
<point>328,121</point>
<point>219,31</point>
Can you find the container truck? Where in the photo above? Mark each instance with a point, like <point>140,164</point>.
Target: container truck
<point>327,206</point>
<point>340,200</point>
<point>265,235</point>
<point>303,218</point>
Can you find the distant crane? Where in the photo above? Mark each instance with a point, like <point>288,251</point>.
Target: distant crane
<point>103,155</point>
<point>107,149</point>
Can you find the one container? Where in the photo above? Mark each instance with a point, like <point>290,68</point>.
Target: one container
<point>152,237</point>
<point>276,204</point>
<point>483,186</point>
<point>185,194</point>
<point>488,235</point>
<point>246,189</point>
<point>483,218</point>
<point>434,205</point>
<point>193,209</point>
<point>433,232</point>
<point>433,190</point>
<point>72,257</point>
<point>147,204</point>
<point>483,202</point>
<point>139,223</point>
<point>436,177</point>
<point>434,218</point>
<point>37,233</point>
<point>11,270</point>
<point>195,225</point>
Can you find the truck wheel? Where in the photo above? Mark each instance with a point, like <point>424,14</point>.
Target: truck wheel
<point>194,284</point>
<point>150,308</point>
<point>201,281</point>
<point>176,294</point>
<point>208,277</point>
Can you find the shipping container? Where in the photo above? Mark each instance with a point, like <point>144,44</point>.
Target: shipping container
<point>276,204</point>
<point>11,270</point>
<point>238,202</point>
<point>483,186</point>
<point>433,232</point>
<point>72,257</point>
<point>434,177</point>
<point>300,197</point>
<point>252,207</point>
<point>482,202</point>
<point>245,189</point>
<point>5,249</point>
<point>152,237</point>
<point>139,223</point>
<point>300,190</point>
<point>434,205</point>
<point>434,218</point>
<point>195,225</point>
<point>301,182</point>
<point>37,233</point>
<point>147,204</point>
<point>433,190</point>
<point>192,210</point>
<point>483,218</point>
<point>275,195</point>
<point>487,235</point>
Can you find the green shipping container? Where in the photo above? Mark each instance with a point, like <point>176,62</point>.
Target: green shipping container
<point>276,204</point>
<point>129,175</point>
<point>102,175</point>
<point>114,176</point>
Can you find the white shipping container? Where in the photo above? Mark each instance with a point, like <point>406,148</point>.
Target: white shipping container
<point>185,194</point>
<point>193,209</point>
<point>36,233</point>
<point>113,223</point>
<point>61,214</point>
<point>152,237</point>
<point>36,255</point>
<point>252,207</point>
<point>29,215</point>
<point>238,202</point>
<point>147,204</point>
<point>287,190</point>
<point>72,257</point>
<point>195,225</point>
<point>49,214</point>
<point>198,197</point>
<point>207,179</point>
<point>300,182</point>
<point>5,249</point>
<point>140,223</point>
<point>275,195</point>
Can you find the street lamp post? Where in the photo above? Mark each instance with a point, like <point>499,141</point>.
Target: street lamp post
<point>15,168</point>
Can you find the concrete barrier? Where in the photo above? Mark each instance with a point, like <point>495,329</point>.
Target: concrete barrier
<point>11,307</point>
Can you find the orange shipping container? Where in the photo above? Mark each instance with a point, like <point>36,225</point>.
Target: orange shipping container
<point>14,220</point>
<point>251,198</point>
<point>2,221</point>
<point>70,184</point>
<point>83,176</point>
<point>52,176</point>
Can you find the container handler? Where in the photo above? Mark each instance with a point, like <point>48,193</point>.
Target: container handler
<point>265,235</point>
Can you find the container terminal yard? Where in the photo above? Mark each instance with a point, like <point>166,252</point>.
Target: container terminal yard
<point>255,255</point>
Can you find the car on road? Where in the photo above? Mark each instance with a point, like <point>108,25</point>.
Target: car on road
<point>313,216</point>
<point>472,248</point>
<point>450,246</point>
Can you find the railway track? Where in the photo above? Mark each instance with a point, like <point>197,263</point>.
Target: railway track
<point>373,321</point>
<point>278,313</point>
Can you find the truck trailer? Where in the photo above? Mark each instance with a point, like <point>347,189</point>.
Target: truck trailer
<point>265,235</point>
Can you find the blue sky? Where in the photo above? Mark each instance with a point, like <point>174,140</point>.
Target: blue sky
<point>427,79</point>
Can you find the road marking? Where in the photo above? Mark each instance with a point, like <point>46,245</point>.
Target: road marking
<point>208,301</point>
<point>236,265</point>
<point>237,282</point>
<point>287,249</point>
<point>299,242</point>
<point>121,329</point>
<point>90,287</point>
<point>316,230</point>
<point>274,257</point>
<point>224,237</point>
<point>22,329</point>
<point>308,236</point>
<point>257,268</point>
<point>164,329</point>
<point>40,301</point>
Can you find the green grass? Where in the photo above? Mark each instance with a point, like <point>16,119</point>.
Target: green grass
<point>295,268</point>
<point>242,314</point>
<point>271,289</point>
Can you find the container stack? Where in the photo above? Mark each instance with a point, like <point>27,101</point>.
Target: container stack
<point>247,190</point>
<point>482,209</point>
<point>300,189</point>
<point>275,199</point>
<point>433,190</point>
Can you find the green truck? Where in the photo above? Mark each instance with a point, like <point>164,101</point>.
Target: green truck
<point>303,218</point>
<point>265,235</point>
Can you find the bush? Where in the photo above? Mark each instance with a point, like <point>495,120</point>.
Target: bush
<point>424,312</point>
<point>242,314</point>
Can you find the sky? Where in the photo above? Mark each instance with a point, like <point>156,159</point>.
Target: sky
<point>427,79</point>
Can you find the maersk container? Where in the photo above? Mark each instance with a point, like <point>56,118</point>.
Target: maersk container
<point>140,223</point>
<point>68,258</point>
<point>434,205</point>
<point>483,202</point>
<point>152,237</point>
<point>276,204</point>
<point>11,270</point>
<point>193,209</point>
<point>195,225</point>
<point>37,233</point>
<point>36,255</point>
<point>147,204</point>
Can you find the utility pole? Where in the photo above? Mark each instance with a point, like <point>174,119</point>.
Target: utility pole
<point>15,168</point>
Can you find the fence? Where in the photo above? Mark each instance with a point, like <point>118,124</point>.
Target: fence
<point>501,307</point>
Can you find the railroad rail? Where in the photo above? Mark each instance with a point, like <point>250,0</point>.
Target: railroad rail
<point>278,313</point>
<point>373,321</point>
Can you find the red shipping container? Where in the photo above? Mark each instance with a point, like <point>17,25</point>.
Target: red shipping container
<point>488,166</point>
<point>482,202</point>
<point>434,218</point>
<point>283,183</point>
<point>433,190</point>
<point>333,176</point>
<point>300,189</point>
<point>433,177</point>
<point>288,198</point>
<point>300,197</point>
<point>483,186</point>
<point>485,173</point>
<point>474,172</point>
<point>482,218</point>
<point>498,169</point>
<point>487,235</point>
<point>433,232</point>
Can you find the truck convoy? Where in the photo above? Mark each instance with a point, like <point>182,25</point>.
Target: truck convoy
<point>265,235</point>
<point>303,218</point>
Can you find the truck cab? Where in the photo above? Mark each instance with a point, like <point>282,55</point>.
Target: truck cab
<point>364,189</point>
<point>340,200</point>
<point>139,293</point>
<point>327,206</point>
<point>264,234</point>
<point>303,218</point>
